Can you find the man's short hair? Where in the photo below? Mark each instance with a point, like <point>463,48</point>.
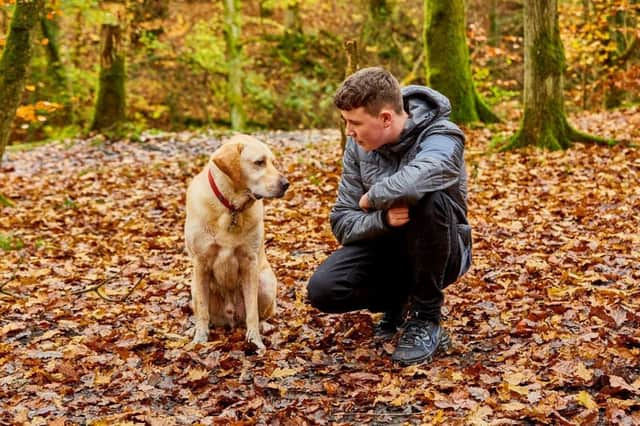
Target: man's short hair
<point>372,88</point>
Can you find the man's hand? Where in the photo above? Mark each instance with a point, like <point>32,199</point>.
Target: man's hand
<point>398,215</point>
<point>364,203</point>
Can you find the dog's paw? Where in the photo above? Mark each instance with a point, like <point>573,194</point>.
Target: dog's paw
<point>253,336</point>
<point>200,336</point>
<point>266,328</point>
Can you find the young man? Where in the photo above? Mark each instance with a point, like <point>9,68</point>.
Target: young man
<point>400,213</point>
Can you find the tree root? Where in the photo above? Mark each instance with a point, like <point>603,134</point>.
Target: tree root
<point>578,136</point>
<point>484,112</point>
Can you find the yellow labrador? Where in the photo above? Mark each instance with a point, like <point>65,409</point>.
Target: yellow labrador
<point>224,234</point>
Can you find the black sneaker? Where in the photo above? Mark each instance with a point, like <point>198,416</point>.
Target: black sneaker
<point>388,325</point>
<point>419,341</point>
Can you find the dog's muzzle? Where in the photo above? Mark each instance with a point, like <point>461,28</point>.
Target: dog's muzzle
<point>284,185</point>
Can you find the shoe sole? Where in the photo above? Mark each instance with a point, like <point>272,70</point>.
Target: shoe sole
<point>443,346</point>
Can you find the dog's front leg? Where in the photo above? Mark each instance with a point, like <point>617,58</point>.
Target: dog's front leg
<point>200,297</point>
<point>249,281</point>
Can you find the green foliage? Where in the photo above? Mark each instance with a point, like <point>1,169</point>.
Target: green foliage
<point>309,102</point>
<point>152,45</point>
<point>205,48</point>
<point>494,94</point>
<point>498,95</point>
<point>4,201</point>
<point>599,68</point>
<point>10,242</point>
<point>177,68</point>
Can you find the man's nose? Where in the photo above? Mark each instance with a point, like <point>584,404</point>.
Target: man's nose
<point>350,131</point>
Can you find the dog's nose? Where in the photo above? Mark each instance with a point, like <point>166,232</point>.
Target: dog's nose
<point>284,184</point>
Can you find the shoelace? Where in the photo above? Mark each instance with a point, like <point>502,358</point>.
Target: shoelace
<point>414,330</point>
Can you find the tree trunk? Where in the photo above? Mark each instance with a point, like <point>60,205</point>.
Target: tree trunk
<point>14,64</point>
<point>447,60</point>
<point>494,28</point>
<point>110,105</point>
<point>544,122</point>
<point>234,60</point>
<point>351,50</point>
<point>55,67</point>
<point>586,20</point>
<point>292,19</point>
<point>49,29</point>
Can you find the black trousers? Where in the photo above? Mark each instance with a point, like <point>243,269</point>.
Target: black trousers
<point>413,264</point>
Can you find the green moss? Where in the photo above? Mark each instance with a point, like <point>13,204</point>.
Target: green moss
<point>110,104</point>
<point>549,53</point>
<point>448,68</point>
<point>14,64</point>
<point>545,129</point>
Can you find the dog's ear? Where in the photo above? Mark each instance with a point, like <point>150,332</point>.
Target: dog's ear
<point>227,159</point>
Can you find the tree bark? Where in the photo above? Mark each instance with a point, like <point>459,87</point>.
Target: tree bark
<point>110,104</point>
<point>351,50</point>
<point>234,60</point>
<point>494,28</point>
<point>448,67</point>
<point>14,64</point>
<point>544,122</point>
<point>55,68</point>
<point>49,29</point>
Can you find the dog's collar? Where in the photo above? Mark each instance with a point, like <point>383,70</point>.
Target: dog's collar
<point>223,200</point>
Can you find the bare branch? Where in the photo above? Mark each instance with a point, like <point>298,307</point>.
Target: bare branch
<point>96,288</point>
<point>13,277</point>
<point>7,292</point>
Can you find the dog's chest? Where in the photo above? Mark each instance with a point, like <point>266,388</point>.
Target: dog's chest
<point>232,262</point>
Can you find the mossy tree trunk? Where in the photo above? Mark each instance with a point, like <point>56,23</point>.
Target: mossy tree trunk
<point>110,105</point>
<point>55,67</point>
<point>14,64</point>
<point>544,122</point>
<point>234,61</point>
<point>448,67</point>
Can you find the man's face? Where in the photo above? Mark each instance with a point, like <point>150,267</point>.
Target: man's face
<point>368,131</point>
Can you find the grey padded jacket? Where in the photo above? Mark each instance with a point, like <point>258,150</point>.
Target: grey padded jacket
<point>428,157</point>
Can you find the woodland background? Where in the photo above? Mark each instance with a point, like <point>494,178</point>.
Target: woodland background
<point>94,279</point>
<point>293,58</point>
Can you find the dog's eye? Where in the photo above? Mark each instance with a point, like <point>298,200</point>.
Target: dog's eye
<point>260,163</point>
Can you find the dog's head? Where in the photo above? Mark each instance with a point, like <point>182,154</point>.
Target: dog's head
<point>249,165</point>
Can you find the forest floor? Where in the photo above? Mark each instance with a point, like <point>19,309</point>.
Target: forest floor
<point>546,325</point>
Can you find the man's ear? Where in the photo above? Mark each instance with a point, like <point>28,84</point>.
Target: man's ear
<point>386,116</point>
<point>227,159</point>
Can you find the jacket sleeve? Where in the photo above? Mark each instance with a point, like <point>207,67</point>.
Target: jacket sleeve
<point>437,165</point>
<point>349,223</point>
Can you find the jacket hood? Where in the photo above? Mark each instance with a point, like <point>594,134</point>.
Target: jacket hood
<point>428,111</point>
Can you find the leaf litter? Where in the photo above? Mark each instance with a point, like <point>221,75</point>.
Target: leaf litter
<point>95,304</point>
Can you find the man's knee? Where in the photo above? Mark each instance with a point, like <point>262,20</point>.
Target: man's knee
<point>318,291</point>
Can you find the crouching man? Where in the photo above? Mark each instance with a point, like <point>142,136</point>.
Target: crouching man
<point>400,212</point>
